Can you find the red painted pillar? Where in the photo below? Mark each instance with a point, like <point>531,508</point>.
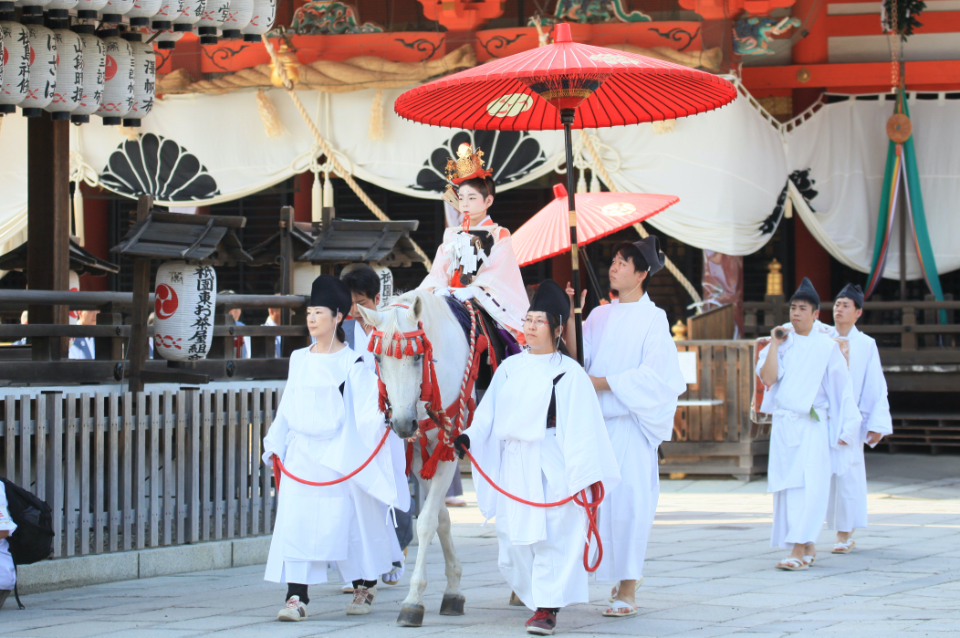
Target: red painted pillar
<point>302,200</point>
<point>95,228</point>
<point>812,260</point>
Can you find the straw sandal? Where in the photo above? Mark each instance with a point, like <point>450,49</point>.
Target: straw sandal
<point>620,609</point>
<point>792,565</point>
<point>844,548</point>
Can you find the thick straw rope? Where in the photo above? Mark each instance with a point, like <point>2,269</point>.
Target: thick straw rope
<point>325,147</point>
<point>606,179</point>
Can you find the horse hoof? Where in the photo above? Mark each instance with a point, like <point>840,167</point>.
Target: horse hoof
<point>410,616</point>
<point>452,605</point>
<point>515,600</point>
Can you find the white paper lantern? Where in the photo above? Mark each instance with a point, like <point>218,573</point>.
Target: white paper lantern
<point>144,79</point>
<point>69,90</point>
<point>94,74</point>
<point>185,297</point>
<point>59,9</point>
<point>114,10</point>
<point>190,12</point>
<point>32,7</point>
<point>214,13</point>
<point>88,9</point>
<point>261,21</point>
<point>43,68</point>
<point>142,11</point>
<point>118,80</point>
<point>166,40</point>
<point>238,16</point>
<point>168,10</point>
<point>16,65</point>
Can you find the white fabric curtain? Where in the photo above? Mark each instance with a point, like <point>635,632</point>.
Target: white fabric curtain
<point>732,168</point>
<point>844,148</point>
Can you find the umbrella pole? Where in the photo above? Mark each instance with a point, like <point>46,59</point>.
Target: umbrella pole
<point>566,116</point>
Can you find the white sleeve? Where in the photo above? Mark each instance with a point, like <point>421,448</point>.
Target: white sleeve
<point>651,390</point>
<point>484,446</point>
<point>276,440</point>
<point>6,522</point>
<point>874,405</point>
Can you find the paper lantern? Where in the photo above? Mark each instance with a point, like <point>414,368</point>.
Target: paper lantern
<point>118,80</point>
<point>185,297</point>
<point>69,90</point>
<point>114,10</point>
<point>190,12</point>
<point>144,79</point>
<point>141,12</point>
<point>88,9</point>
<point>261,21</point>
<point>166,40</point>
<point>16,65</point>
<point>32,7</point>
<point>238,16</point>
<point>43,67</point>
<point>214,13</point>
<point>59,9</point>
<point>163,18</point>
<point>94,74</point>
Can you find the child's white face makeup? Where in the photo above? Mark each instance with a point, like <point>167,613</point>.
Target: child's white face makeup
<point>473,203</point>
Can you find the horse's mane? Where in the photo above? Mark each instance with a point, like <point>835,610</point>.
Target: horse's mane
<point>434,312</point>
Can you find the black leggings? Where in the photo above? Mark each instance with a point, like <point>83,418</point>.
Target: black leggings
<point>296,589</point>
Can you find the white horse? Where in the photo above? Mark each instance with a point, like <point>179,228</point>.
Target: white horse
<point>402,378</point>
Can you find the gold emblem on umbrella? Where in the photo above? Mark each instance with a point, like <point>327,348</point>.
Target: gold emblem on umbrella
<point>618,209</point>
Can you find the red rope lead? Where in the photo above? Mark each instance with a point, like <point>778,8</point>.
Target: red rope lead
<point>580,498</point>
<point>278,468</point>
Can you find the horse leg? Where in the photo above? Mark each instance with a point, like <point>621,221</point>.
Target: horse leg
<point>411,610</point>
<point>453,599</point>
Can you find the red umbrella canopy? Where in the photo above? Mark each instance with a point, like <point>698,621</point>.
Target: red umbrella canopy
<point>525,92</point>
<point>598,214</point>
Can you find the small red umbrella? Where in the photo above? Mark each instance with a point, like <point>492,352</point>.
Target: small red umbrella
<point>547,233</point>
<point>565,85</point>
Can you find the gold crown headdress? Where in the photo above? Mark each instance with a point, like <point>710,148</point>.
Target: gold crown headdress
<point>468,165</point>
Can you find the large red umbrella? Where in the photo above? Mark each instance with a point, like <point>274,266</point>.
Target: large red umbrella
<point>565,85</point>
<point>547,233</point>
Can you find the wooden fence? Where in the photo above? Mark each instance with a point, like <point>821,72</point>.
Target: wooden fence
<point>129,471</point>
<point>712,432</point>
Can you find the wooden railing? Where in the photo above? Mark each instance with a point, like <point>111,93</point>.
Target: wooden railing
<point>124,471</point>
<point>34,364</point>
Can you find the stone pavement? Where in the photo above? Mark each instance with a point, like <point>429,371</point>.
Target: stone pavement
<point>709,573</point>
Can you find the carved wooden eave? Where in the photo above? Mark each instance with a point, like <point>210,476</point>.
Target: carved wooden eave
<point>206,239</point>
<point>349,240</point>
<point>82,262</point>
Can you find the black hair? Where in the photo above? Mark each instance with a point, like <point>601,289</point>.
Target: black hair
<point>629,251</point>
<point>806,297</point>
<point>363,281</point>
<point>483,185</point>
<point>855,304</point>
<point>341,335</point>
<point>554,322</point>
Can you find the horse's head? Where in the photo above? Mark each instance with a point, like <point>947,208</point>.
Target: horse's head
<point>402,375</point>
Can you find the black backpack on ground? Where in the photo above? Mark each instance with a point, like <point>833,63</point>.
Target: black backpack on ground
<point>33,539</point>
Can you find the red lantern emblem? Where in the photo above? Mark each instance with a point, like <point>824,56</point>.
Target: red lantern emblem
<point>166,302</point>
<point>111,69</point>
<point>6,56</point>
<point>33,54</point>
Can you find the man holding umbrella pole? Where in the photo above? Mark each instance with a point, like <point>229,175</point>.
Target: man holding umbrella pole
<point>633,364</point>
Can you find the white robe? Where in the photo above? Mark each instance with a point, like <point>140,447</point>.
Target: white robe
<point>847,509</point>
<point>497,285</point>
<point>630,345</point>
<point>541,549</point>
<point>320,434</point>
<point>811,375</point>
<point>8,575</point>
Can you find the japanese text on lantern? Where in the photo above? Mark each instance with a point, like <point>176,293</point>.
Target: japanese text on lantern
<point>203,312</point>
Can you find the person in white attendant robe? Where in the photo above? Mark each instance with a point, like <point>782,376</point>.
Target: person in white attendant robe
<point>811,399</point>
<point>541,454</point>
<point>847,508</point>
<point>632,360</point>
<point>327,425</point>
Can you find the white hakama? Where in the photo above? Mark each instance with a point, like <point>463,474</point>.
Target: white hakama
<point>541,549</point>
<point>630,345</point>
<point>812,377</point>
<point>847,508</point>
<point>320,434</point>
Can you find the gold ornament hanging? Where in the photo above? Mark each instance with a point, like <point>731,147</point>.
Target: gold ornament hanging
<point>291,64</point>
<point>899,128</point>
